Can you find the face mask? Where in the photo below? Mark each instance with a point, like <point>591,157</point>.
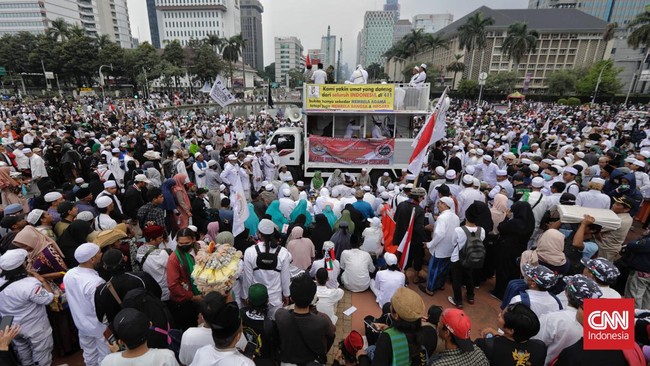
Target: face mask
<point>546,176</point>
<point>185,248</point>
<point>624,187</point>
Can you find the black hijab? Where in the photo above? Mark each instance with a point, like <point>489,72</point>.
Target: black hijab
<point>479,214</point>
<point>72,237</point>
<point>320,233</point>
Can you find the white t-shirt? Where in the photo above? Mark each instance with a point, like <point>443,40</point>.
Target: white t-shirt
<point>210,356</point>
<point>541,302</point>
<point>319,76</point>
<point>158,357</point>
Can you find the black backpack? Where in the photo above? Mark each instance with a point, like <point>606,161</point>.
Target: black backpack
<point>473,253</point>
<point>266,261</point>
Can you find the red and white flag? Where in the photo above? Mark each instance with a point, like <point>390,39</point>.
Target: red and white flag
<point>432,131</point>
<point>405,244</point>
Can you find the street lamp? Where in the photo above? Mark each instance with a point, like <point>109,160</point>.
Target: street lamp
<point>593,99</point>
<point>101,78</point>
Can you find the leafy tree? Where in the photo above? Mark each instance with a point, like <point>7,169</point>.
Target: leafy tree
<point>215,42</point>
<point>609,82</point>
<point>110,53</point>
<point>434,42</point>
<point>232,50</point>
<point>296,78</point>
<point>640,28</point>
<point>413,41</point>
<point>456,67</point>
<point>519,42</point>
<point>609,31</point>
<point>79,58</point>
<point>468,88</point>
<point>472,35</point>
<point>59,29</point>
<point>173,53</point>
<point>503,82</point>
<point>561,82</point>
<point>206,65</point>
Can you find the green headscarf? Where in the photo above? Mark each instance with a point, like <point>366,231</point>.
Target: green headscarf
<point>317,181</point>
<point>345,216</point>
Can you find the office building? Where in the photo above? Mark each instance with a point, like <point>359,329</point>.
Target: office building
<point>251,30</point>
<point>153,23</point>
<point>376,36</point>
<point>401,28</point>
<point>288,56</point>
<point>184,20</point>
<point>621,12</point>
<point>394,7</point>
<point>113,19</point>
<point>568,39</point>
<point>431,23</point>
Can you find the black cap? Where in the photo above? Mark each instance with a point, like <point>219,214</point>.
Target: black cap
<point>112,259</point>
<point>131,327</point>
<point>82,193</point>
<point>443,189</point>
<point>8,221</point>
<point>64,207</point>
<point>222,316</point>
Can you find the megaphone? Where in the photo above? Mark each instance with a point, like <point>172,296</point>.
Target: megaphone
<point>293,114</point>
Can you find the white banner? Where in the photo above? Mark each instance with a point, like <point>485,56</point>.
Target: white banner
<point>220,92</point>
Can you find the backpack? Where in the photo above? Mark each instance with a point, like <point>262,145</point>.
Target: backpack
<point>266,261</point>
<point>161,333</point>
<point>473,253</point>
<point>525,299</point>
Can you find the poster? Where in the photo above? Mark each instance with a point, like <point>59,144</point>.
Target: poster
<point>351,97</point>
<point>351,151</point>
<point>220,92</point>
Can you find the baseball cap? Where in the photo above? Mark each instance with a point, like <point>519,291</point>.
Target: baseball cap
<point>418,191</point>
<point>407,304</point>
<point>604,270</point>
<point>13,209</point>
<point>131,326</point>
<point>459,325</point>
<point>142,178</point>
<point>258,295</point>
<point>578,288</point>
<point>541,275</point>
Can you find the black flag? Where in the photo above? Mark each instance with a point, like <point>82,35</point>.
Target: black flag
<point>269,99</point>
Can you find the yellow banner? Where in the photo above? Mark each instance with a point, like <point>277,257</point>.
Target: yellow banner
<point>351,97</point>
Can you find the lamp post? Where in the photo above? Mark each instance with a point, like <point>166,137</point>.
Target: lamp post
<point>593,99</point>
<point>101,79</point>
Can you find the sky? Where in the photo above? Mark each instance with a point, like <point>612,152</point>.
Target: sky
<point>308,19</point>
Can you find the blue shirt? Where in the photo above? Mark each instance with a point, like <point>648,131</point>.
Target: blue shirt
<point>365,208</point>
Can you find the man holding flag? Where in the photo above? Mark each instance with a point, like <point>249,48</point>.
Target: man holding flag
<point>410,232</point>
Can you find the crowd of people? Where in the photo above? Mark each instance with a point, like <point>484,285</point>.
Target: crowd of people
<point>119,223</point>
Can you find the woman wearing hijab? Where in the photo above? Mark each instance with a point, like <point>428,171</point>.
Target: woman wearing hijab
<point>335,179</point>
<point>342,239</point>
<point>251,222</point>
<point>549,253</point>
<point>213,231</point>
<point>345,217</point>
<point>75,235</point>
<point>225,237</point>
<point>154,177</point>
<point>359,220</point>
<point>317,181</point>
<point>11,190</point>
<point>302,249</point>
<point>44,254</point>
<point>299,222</point>
<point>321,232</point>
<point>301,209</point>
<point>276,215</point>
<point>183,205</point>
<point>330,215</point>
<point>131,171</point>
<point>515,234</point>
<point>498,213</point>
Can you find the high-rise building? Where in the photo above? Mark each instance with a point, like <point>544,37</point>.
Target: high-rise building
<point>153,23</point>
<point>401,28</point>
<point>621,12</point>
<point>288,56</point>
<point>328,49</point>
<point>114,21</point>
<point>251,30</point>
<point>394,7</point>
<point>377,36</point>
<point>184,20</point>
<point>94,16</point>
<point>431,23</point>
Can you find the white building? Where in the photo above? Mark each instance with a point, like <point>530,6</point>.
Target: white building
<point>376,36</point>
<point>109,17</point>
<point>431,23</point>
<point>197,19</point>
<point>288,56</point>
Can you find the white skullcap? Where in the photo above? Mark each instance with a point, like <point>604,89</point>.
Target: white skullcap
<point>196,155</point>
<point>639,163</point>
<point>526,161</point>
<point>286,192</point>
<point>79,180</point>
<point>266,227</point>
<point>534,167</point>
<point>502,172</point>
<point>450,174</point>
<point>645,154</point>
<point>103,202</point>
<point>598,180</point>
<point>222,187</point>
<point>447,201</point>
<point>287,178</point>
<point>571,170</point>
<point>328,245</point>
<point>52,196</point>
<point>538,182</point>
<point>479,152</point>
<point>269,187</point>
<point>115,150</point>
<point>212,162</point>
<point>470,169</point>
<point>232,157</point>
<point>300,183</point>
<point>440,170</point>
<point>85,216</point>
<point>476,182</point>
<point>13,259</point>
<point>487,157</point>
<point>367,188</point>
<point>386,174</point>
<point>468,179</point>
<point>85,252</point>
<point>34,215</point>
<point>27,150</point>
<point>390,258</point>
<point>580,154</point>
<point>110,184</point>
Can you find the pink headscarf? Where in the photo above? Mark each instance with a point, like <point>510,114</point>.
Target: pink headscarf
<point>499,210</point>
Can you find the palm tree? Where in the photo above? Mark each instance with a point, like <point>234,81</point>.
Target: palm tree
<point>59,29</point>
<point>472,35</point>
<point>433,42</point>
<point>640,27</point>
<point>413,41</point>
<point>232,50</point>
<point>456,67</point>
<point>215,41</point>
<point>519,42</point>
<point>103,40</point>
<point>609,31</point>
<point>76,31</point>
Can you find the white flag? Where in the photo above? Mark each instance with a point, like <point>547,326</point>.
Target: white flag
<point>220,92</point>
<point>240,213</point>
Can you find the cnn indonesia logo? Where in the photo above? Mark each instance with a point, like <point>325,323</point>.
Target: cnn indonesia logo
<point>608,324</point>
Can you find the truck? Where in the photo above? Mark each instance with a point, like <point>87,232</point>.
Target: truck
<point>338,121</point>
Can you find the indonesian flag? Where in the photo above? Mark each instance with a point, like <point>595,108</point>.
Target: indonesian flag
<point>329,260</point>
<point>405,244</point>
<point>432,131</point>
<point>240,213</point>
<point>308,61</point>
<point>388,229</point>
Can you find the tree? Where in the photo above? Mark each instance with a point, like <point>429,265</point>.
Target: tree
<point>413,41</point>
<point>472,35</point>
<point>375,71</point>
<point>296,78</point>
<point>433,42</point>
<point>519,42</point>
<point>456,67</point>
<point>232,50</point>
<point>76,31</point>
<point>59,29</point>
<point>215,42</point>
<point>268,74</point>
<point>609,83</point>
<point>503,82</point>
<point>640,28</point>
<point>398,50</point>
<point>609,31</point>
<point>205,64</point>
<point>173,53</point>
<point>79,58</point>
<point>467,88</point>
<point>561,82</point>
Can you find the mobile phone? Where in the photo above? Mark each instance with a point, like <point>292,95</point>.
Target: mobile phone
<point>371,326</point>
<point>6,321</point>
<point>111,339</point>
